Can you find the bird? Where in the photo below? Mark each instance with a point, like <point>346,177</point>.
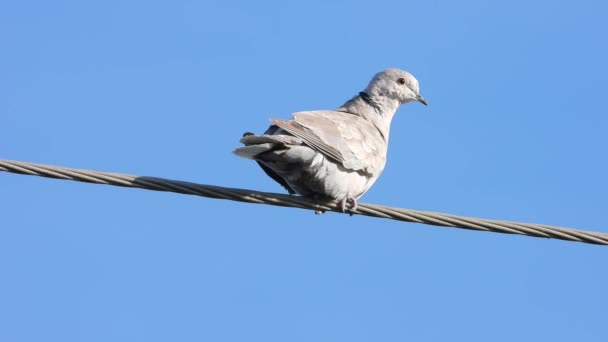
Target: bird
<point>334,154</point>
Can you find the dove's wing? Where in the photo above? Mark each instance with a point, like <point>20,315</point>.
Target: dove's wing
<point>346,138</point>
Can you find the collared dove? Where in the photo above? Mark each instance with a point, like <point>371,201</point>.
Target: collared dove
<point>334,154</point>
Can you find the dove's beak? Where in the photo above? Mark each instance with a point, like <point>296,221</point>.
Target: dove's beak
<point>421,100</point>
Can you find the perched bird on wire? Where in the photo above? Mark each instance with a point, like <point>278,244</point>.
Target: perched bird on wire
<point>334,154</point>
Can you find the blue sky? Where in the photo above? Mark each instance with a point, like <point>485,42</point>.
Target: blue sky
<point>516,129</point>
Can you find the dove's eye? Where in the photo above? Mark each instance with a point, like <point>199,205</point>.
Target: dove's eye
<point>401,81</point>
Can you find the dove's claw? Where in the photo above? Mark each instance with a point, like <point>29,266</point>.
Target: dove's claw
<point>353,204</point>
<point>350,200</point>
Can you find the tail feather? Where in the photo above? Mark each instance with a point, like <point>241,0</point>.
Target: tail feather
<point>277,154</point>
<point>267,138</point>
<point>251,151</point>
<point>258,144</point>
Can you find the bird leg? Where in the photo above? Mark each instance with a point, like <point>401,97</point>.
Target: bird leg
<point>353,204</point>
<point>342,204</point>
<point>350,200</point>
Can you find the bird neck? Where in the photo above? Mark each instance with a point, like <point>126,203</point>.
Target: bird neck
<point>377,109</point>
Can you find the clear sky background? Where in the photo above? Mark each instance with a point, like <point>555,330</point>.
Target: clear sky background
<point>516,129</point>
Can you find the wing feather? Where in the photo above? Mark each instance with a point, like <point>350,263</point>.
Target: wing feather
<point>309,138</point>
<point>346,138</point>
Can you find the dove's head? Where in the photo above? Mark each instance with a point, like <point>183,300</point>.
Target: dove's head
<point>396,85</point>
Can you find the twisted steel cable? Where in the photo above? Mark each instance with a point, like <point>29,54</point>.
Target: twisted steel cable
<point>251,196</point>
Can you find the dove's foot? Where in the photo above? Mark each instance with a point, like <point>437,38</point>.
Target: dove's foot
<point>342,203</point>
<point>350,200</point>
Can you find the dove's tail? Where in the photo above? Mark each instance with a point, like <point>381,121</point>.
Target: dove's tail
<point>258,144</point>
<point>271,152</point>
<point>250,152</point>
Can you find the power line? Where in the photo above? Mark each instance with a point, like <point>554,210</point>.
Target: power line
<point>251,196</point>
